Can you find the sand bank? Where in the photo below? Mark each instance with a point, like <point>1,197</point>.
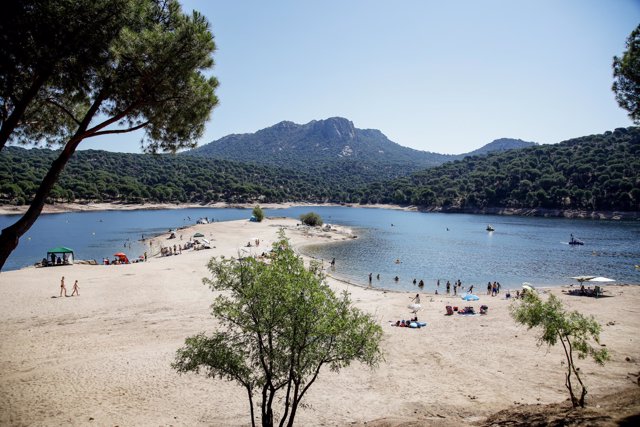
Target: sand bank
<point>103,358</point>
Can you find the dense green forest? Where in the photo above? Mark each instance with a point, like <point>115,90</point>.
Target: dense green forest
<point>597,172</point>
<point>135,178</point>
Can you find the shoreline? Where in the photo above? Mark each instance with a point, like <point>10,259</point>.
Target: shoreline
<point>109,350</point>
<point>526,212</point>
<point>98,207</point>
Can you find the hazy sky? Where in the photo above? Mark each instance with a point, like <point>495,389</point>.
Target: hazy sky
<point>442,76</point>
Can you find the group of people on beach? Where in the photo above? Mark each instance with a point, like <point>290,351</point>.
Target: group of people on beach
<point>56,260</point>
<point>493,289</point>
<point>63,288</point>
<point>168,251</point>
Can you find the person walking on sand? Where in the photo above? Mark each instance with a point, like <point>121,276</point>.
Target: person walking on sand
<point>63,288</point>
<point>75,289</point>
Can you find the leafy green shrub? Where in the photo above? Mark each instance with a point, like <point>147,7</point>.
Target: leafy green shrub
<point>258,213</point>
<point>312,219</point>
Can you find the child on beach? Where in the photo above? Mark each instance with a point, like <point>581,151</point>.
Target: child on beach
<point>63,288</point>
<point>75,289</point>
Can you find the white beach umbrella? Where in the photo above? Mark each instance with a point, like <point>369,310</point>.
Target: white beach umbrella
<point>583,278</point>
<point>601,280</point>
<point>528,286</point>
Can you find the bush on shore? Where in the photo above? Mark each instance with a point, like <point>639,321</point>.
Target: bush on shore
<point>312,219</point>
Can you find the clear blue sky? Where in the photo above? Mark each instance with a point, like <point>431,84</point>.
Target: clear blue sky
<point>442,76</point>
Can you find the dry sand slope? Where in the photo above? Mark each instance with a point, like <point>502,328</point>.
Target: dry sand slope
<point>103,358</point>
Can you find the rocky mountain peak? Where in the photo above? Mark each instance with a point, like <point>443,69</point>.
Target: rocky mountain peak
<point>335,128</point>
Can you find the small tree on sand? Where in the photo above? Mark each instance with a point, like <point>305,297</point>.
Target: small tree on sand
<point>312,219</point>
<point>258,213</point>
<point>572,329</point>
<point>280,324</point>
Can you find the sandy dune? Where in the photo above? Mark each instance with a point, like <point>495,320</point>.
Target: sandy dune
<point>103,358</point>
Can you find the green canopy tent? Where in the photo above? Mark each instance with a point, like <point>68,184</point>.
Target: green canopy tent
<point>60,256</point>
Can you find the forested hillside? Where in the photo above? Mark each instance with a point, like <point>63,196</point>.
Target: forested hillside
<point>333,146</point>
<point>597,172</point>
<point>105,176</point>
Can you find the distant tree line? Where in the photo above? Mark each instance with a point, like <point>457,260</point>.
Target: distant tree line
<point>597,172</point>
<point>102,176</point>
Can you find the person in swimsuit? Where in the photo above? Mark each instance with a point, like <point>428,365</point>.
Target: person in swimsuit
<point>63,287</point>
<point>75,289</point>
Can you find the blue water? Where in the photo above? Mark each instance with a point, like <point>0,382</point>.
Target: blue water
<point>430,246</point>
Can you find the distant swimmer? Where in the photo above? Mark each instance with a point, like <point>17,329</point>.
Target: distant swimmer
<point>396,278</point>
<point>397,261</point>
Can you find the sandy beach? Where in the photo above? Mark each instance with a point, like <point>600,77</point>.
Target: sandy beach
<point>103,358</point>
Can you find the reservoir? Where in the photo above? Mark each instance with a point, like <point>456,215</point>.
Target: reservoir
<point>410,245</point>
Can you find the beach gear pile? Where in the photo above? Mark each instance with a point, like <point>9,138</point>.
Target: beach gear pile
<point>409,324</point>
<point>469,310</point>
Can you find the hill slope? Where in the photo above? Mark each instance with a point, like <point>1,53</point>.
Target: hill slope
<point>330,146</point>
<point>597,172</point>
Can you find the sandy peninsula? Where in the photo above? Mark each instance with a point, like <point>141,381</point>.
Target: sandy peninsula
<point>103,358</point>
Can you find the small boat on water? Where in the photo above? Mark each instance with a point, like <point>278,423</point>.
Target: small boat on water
<point>574,241</point>
<point>490,228</point>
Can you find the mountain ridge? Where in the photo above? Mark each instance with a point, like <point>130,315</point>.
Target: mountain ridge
<point>333,142</point>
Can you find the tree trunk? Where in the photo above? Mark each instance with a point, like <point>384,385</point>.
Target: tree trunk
<point>574,401</point>
<point>253,418</point>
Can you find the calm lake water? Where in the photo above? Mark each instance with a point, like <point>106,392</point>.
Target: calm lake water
<point>430,246</point>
